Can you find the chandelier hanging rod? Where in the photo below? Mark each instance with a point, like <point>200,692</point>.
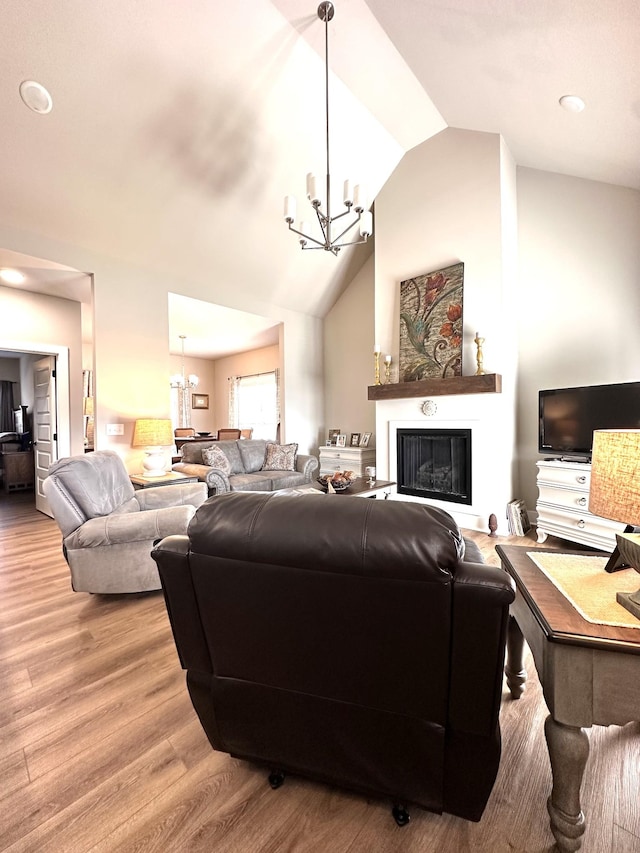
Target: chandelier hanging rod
<point>357,202</point>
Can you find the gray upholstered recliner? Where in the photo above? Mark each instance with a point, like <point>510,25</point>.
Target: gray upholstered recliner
<point>108,529</point>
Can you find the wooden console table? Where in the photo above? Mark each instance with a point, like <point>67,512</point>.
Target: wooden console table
<point>590,675</point>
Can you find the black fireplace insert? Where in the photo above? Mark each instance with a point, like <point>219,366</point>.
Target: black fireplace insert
<point>435,463</point>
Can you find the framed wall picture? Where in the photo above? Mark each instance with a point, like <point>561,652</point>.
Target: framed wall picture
<point>364,439</point>
<point>333,434</point>
<point>431,324</point>
<point>199,401</point>
<point>355,439</point>
<point>341,440</point>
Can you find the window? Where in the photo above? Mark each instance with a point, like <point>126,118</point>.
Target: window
<point>254,401</point>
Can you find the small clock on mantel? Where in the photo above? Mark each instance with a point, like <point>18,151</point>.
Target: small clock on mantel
<point>429,407</point>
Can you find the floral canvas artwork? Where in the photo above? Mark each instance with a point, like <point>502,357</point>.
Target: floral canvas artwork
<point>431,324</point>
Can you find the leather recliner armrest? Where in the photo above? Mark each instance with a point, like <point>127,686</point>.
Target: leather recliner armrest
<point>121,529</point>
<point>179,494</point>
<point>479,591</point>
<point>172,558</point>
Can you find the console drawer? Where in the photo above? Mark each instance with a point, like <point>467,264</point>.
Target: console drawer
<point>570,498</point>
<point>570,475</point>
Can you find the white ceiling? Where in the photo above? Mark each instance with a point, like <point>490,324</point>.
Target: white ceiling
<point>177,128</point>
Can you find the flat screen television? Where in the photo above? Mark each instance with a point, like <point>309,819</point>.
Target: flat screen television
<point>568,416</point>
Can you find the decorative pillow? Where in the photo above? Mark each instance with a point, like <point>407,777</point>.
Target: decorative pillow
<point>280,457</point>
<point>215,458</point>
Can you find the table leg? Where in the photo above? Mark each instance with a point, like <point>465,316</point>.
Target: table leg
<point>568,751</point>
<point>514,670</point>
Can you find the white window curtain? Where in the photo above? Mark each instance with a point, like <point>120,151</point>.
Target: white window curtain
<point>254,402</point>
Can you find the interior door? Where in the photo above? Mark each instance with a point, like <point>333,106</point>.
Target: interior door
<point>45,439</point>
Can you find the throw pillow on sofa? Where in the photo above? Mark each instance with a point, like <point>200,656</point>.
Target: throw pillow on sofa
<point>215,458</point>
<point>280,457</point>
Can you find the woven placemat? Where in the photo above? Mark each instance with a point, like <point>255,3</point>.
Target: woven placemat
<point>592,591</point>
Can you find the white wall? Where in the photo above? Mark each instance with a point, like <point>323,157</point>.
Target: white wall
<point>452,199</point>
<point>579,294</point>
<point>348,358</point>
<point>131,353</point>
<point>201,419</point>
<point>45,324</point>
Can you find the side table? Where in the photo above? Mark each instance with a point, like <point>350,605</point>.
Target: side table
<point>590,675</point>
<point>171,478</point>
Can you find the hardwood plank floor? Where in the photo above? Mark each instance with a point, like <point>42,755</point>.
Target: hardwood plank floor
<point>101,751</point>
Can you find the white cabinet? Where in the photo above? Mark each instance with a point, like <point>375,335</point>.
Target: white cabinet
<point>353,459</point>
<point>563,506</point>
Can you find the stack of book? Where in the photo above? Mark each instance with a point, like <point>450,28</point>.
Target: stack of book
<point>518,517</point>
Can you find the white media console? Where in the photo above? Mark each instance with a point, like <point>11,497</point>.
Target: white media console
<point>562,506</point>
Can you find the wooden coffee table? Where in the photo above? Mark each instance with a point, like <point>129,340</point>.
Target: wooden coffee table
<point>590,675</point>
<point>361,487</point>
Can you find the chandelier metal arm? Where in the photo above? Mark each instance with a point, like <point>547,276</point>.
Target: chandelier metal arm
<point>306,237</point>
<point>348,228</point>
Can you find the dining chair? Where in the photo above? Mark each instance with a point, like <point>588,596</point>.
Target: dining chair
<point>228,434</point>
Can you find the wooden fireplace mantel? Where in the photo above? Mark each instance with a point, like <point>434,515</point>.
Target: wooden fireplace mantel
<point>486,383</point>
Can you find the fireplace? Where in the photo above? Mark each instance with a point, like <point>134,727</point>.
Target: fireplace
<point>435,463</point>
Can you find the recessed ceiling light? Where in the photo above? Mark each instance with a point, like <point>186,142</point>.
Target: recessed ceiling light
<point>36,97</point>
<point>11,276</point>
<point>572,103</point>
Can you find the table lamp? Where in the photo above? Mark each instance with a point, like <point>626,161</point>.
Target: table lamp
<point>154,434</point>
<point>615,494</point>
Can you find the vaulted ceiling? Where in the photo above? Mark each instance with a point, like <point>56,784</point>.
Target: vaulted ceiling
<point>178,127</point>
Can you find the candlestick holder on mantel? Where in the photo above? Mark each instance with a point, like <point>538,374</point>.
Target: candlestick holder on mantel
<point>387,369</point>
<point>376,364</point>
<point>479,356</point>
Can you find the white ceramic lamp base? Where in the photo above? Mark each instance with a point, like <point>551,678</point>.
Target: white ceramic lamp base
<point>154,462</point>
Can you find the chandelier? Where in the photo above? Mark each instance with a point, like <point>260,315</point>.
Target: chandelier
<point>355,202</point>
<point>184,385</point>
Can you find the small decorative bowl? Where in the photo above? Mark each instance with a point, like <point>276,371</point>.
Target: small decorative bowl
<point>338,488</point>
<point>204,434</point>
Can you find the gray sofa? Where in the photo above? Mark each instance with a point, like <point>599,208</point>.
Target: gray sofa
<point>246,458</point>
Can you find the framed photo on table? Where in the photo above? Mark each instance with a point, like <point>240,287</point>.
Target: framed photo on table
<point>341,440</point>
<point>355,439</point>
<point>199,401</point>
<point>333,434</point>
<point>364,439</point>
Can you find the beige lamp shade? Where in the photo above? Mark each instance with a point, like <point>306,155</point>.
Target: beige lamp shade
<point>152,432</point>
<point>615,475</point>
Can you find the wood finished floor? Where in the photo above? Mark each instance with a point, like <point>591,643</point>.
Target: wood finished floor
<point>101,751</point>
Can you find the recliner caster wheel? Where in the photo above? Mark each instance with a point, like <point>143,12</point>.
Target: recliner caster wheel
<point>276,778</point>
<point>400,815</point>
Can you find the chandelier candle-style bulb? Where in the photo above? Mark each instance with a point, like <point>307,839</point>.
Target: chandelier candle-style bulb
<point>312,189</point>
<point>333,233</point>
<point>366,224</point>
<point>289,208</point>
<point>359,198</point>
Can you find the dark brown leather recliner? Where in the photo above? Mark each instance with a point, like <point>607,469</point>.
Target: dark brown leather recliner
<point>343,639</point>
